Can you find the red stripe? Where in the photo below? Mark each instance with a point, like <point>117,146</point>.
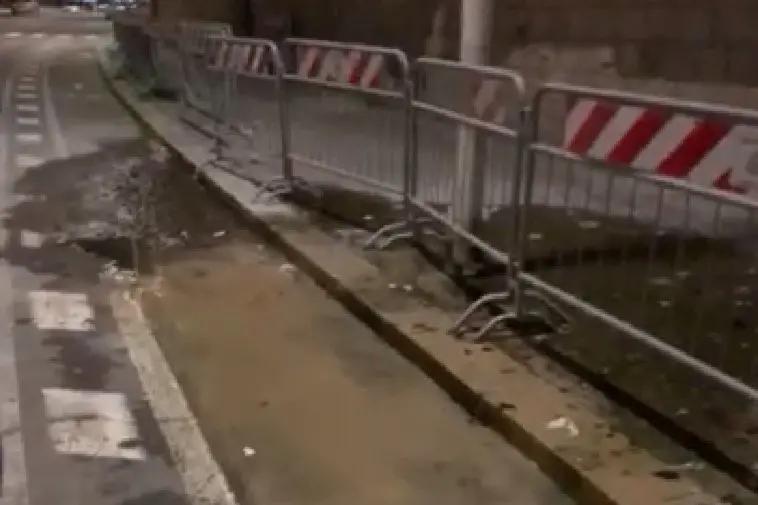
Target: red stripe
<point>723,183</point>
<point>700,140</point>
<point>587,134</point>
<point>359,67</point>
<point>647,125</point>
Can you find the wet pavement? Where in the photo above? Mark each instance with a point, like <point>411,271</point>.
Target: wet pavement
<point>76,425</point>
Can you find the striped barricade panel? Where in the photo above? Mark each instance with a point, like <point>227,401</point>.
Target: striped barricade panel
<point>705,151</point>
<point>352,67</point>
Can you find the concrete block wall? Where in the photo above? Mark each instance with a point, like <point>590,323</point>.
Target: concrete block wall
<point>693,49</point>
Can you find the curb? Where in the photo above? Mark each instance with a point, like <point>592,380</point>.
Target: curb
<point>617,474</point>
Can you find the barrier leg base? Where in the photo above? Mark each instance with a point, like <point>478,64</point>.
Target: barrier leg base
<point>283,186</point>
<point>394,232</point>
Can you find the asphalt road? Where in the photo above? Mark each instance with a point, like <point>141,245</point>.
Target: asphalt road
<point>76,427</point>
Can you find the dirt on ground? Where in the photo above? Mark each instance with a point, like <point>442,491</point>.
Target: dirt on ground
<point>689,290</point>
<point>300,402</point>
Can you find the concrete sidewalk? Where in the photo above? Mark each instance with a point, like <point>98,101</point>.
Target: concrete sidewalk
<point>595,463</point>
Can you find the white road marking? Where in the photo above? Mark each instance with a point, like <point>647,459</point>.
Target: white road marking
<point>29,138</point>
<point>27,121</point>
<point>26,95</point>
<point>200,473</point>
<point>51,118</point>
<point>14,482</point>
<point>31,239</point>
<point>28,161</point>
<point>26,87</point>
<point>27,107</point>
<point>37,35</point>
<point>28,78</point>
<point>12,35</point>
<point>91,37</point>
<point>52,310</point>
<point>92,424</point>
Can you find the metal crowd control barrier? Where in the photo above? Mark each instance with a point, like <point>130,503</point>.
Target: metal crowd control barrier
<point>326,93</point>
<point>659,260</point>
<point>134,43</point>
<point>197,92</point>
<point>656,259</point>
<point>166,57</point>
<point>435,123</point>
<point>252,105</point>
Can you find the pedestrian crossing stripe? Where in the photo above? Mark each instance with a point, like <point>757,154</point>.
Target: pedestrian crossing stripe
<point>38,35</point>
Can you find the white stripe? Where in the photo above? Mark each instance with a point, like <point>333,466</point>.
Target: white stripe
<point>373,70</point>
<point>255,66</point>
<point>27,121</point>
<point>26,87</point>
<point>576,119</point>
<point>12,35</point>
<point>28,79</point>
<point>242,57</point>
<point>90,37</point>
<point>309,60</point>
<point>203,480</point>
<point>614,131</point>
<point>29,138</point>
<point>330,66</point>
<point>501,114</point>
<point>31,239</point>
<point>37,35</point>
<point>27,161</point>
<point>26,95</point>
<point>64,36</point>
<point>52,310</point>
<point>236,57</point>
<point>51,118</point>
<point>27,107</point>
<point>485,97</point>
<point>92,424</point>
<point>718,160</point>
<point>664,143</point>
<point>13,482</point>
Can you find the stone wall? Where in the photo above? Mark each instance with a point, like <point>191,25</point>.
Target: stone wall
<point>699,49</point>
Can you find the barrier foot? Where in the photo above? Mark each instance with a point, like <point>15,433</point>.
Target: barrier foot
<point>458,327</point>
<point>282,186</point>
<point>555,316</point>
<point>493,324</point>
<point>394,232</point>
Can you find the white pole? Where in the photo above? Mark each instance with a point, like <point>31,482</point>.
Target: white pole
<point>476,32</point>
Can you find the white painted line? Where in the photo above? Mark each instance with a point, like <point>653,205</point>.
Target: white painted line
<point>29,138</point>
<point>28,161</point>
<point>28,78</point>
<point>27,121</point>
<point>65,36</point>
<point>92,424</point>
<point>12,35</point>
<point>31,239</point>
<point>91,37</point>
<point>51,118</point>
<point>13,483</point>
<point>200,473</point>
<point>27,107</point>
<point>26,87</point>
<point>52,310</point>
<point>26,95</point>
<point>37,35</point>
